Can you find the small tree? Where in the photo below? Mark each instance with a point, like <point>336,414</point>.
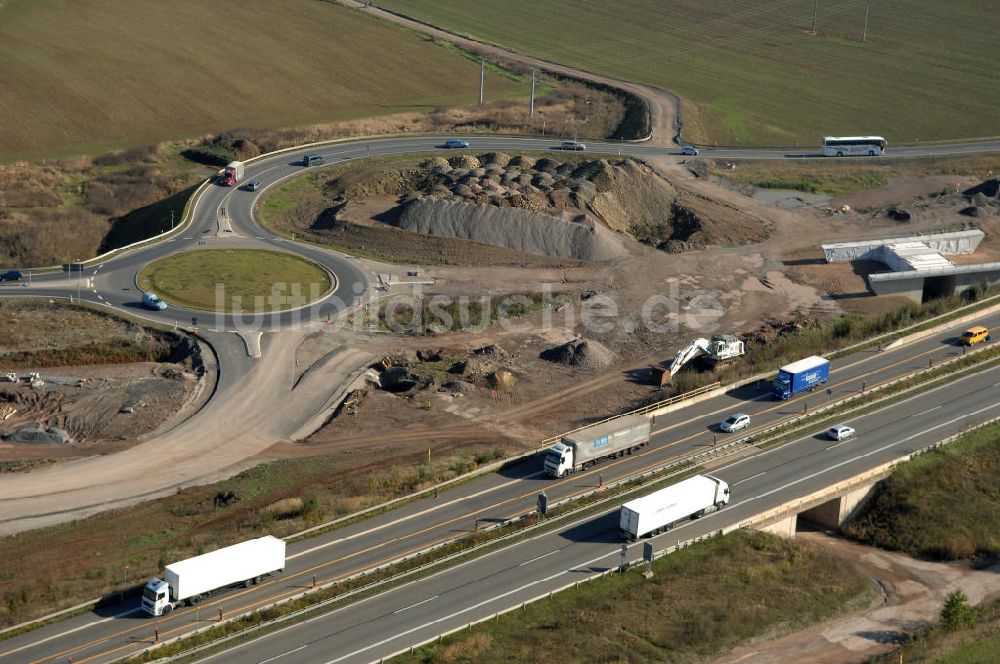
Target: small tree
<point>956,613</point>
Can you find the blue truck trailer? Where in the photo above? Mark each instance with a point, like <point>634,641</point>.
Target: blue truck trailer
<point>798,377</point>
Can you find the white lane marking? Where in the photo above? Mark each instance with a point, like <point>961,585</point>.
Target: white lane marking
<point>544,555</point>
<point>72,631</point>
<point>469,608</point>
<point>836,445</point>
<point>289,652</point>
<point>749,478</point>
<point>405,518</point>
<point>411,606</point>
<point>872,452</point>
<point>772,450</point>
<point>99,297</point>
<point>925,411</point>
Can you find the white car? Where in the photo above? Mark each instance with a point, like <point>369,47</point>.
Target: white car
<point>840,432</point>
<point>689,150</point>
<point>735,422</point>
<point>573,145</point>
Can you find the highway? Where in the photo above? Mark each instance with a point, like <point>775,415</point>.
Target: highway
<point>235,425</point>
<point>118,630</point>
<point>421,610</point>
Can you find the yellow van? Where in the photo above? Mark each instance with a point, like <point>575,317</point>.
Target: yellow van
<point>974,335</point>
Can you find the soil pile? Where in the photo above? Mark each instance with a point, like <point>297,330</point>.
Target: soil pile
<point>522,230</point>
<point>460,197</point>
<point>580,353</point>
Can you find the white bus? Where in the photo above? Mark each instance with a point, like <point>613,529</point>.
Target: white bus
<point>846,146</point>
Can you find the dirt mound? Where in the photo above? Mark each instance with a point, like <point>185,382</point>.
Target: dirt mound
<point>465,161</point>
<point>580,353</point>
<point>990,188</point>
<point>39,435</point>
<point>531,232</point>
<point>501,159</point>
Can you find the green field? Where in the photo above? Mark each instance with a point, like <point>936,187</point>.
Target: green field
<point>85,76</point>
<point>749,72</point>
<point>241,280</point>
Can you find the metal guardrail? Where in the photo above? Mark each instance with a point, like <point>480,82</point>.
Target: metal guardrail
<point>708,454</point>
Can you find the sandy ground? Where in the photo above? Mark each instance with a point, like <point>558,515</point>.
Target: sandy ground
<point>912,594</point>
<point>92,412</point>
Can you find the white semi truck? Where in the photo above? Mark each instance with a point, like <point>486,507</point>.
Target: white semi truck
<point>187,581</point>
<point>590,445</point>
<point>659,511</point>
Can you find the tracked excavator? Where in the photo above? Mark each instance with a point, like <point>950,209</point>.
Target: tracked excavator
<point>721,348</point>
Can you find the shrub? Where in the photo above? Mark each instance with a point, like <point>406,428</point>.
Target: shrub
<point>956,613</point>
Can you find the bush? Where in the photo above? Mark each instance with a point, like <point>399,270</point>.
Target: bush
<point>956,613</point>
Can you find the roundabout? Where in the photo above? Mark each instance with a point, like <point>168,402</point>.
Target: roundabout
<point>236,280</point>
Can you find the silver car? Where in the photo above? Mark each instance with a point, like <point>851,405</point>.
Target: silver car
<point>735,422</point>
<point>840,432</point>
<point>689,150</point>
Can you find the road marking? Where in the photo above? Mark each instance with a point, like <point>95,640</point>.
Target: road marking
<point>745,479</point>
<point>925,412</point>
<point>123,614</point>
<point>289,652</point>
<point>471,608</point>
<point>405,518</point>
<point>407,608</point>
<point>502,502</point>
<point>836,445</point>
<point>544,555</point>
<point>873,452</point>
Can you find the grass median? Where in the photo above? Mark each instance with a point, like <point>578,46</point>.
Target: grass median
<point>236,280</point>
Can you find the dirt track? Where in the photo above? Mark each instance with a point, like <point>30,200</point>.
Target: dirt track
<point>913,592</point>
<point>662,105</point>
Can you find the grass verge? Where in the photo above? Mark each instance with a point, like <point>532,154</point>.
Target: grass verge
<point>943,505</point>
<point>701,601</point>
<point>240,280</point>
<point>842,177</point>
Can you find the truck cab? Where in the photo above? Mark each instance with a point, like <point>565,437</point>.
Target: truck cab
<point>558,460</point>
<point>156,597</point>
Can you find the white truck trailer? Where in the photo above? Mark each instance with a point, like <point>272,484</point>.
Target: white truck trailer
<point>659,511</point>
<point>189,580</point>
<point>590,445</point>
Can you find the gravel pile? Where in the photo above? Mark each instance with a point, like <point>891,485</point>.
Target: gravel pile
<point>580,353</point>
<point>523,230</point>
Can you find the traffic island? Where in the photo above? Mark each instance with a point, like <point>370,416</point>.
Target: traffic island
<point>236,280</point>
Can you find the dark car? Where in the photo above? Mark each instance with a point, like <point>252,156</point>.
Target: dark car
<point>11,275</point>
<point>253,185</point>
<point>455,143</point>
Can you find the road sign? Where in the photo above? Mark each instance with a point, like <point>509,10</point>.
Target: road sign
<point>543,503</point>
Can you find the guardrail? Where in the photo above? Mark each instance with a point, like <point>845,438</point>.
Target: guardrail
<point>678,464</point>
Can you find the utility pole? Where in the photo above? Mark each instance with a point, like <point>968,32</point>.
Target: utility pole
<point>171,219</point>
<point>864,31</point>
<point>815,10</point>
<point>531,111</point>
<point>482,78</point>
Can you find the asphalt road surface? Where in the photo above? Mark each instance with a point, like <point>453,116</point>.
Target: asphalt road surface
<point>418,611</point>
<point>120,629</point>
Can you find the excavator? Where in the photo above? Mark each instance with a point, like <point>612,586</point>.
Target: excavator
<point>721,348</point>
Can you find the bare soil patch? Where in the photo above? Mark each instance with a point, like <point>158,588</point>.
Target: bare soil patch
<point>105,381</point>
<point>912,593</point>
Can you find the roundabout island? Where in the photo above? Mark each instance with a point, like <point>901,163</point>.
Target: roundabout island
<point>236,280</point>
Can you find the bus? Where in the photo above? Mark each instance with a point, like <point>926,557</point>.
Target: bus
<point>846,146</point>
